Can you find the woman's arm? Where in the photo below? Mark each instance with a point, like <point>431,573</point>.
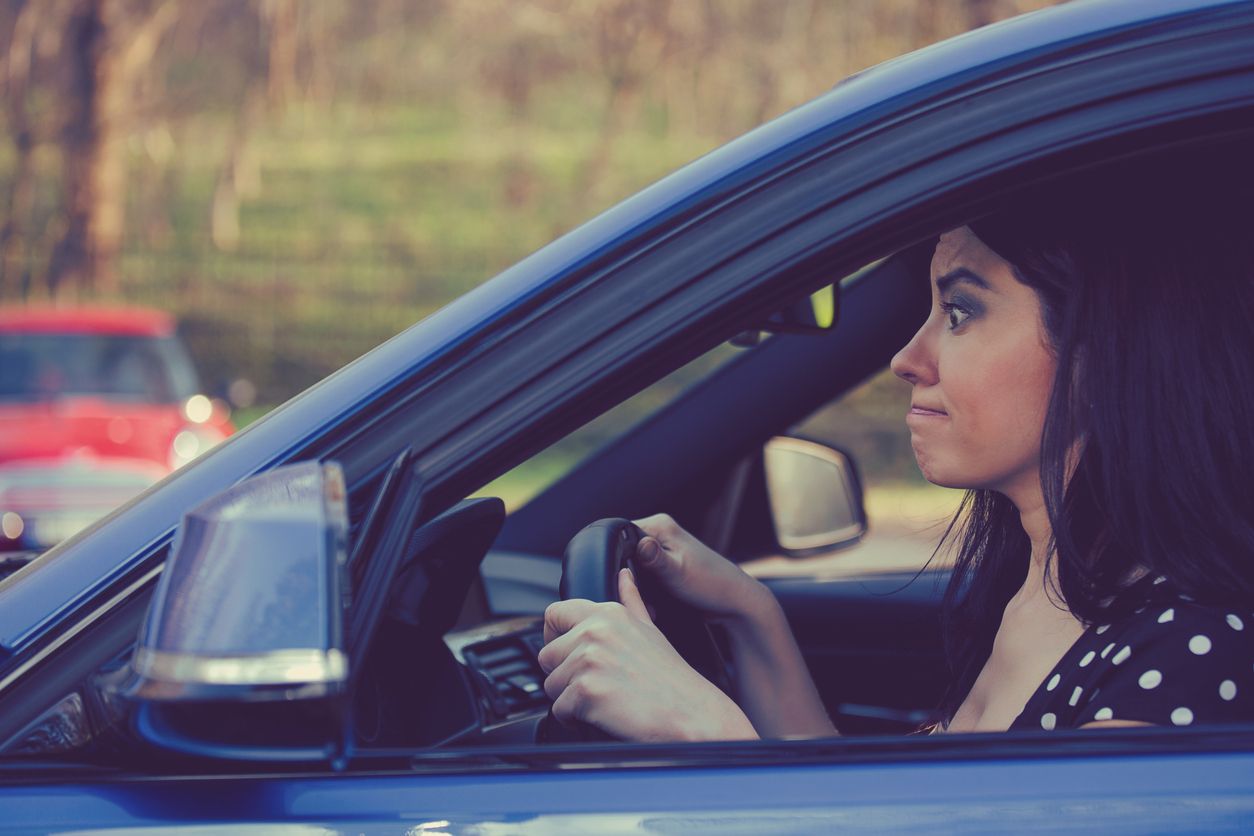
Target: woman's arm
<point>773,684</point>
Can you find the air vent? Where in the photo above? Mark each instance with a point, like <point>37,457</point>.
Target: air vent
<point>509,673</point>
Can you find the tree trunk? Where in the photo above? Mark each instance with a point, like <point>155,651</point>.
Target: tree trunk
<point>111,44</point>
<point>74,258</point>
<point>15,268</point>
<point>982,12</point>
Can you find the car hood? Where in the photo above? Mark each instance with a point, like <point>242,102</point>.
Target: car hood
<point>88,426</point>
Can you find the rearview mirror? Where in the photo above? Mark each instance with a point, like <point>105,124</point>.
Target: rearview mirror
<point>816,313</point>
<point>815,496</point>
<point>812,314</point>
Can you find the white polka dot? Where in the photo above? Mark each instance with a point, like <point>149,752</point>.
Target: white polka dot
<point>1122,655</point>
<point>1104,714</point>
<point>1088,657</point>
<point>1075,696</point>
<point>1107,649</point>
<point>1159,579</point>
<point>1103,629</point>
<point>1235,623</point>
<point>1182,716</point>
<point>1200,645</point>
<point>1049,721</point>
<point>1187,598</point>
<point>1053,682</point>
<point>1228,690</point>
<point>1150,679</point>
<point>1167,615</point>
<point>1139,609</point>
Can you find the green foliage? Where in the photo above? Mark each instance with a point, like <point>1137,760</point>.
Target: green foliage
<point>357,230</point>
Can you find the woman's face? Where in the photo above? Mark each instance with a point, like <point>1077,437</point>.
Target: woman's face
<point>981,373</point>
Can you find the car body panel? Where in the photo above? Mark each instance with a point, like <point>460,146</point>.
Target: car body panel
<point>1206,793</point>
<point>96,427</point>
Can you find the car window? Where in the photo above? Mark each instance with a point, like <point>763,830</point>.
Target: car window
<point>43,366</point>
<point>906,515</point>
<point>543,469</point>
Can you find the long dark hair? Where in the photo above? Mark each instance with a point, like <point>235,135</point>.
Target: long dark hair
<point>1145,274</point>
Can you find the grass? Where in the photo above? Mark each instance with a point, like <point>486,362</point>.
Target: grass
<point>358,224</point>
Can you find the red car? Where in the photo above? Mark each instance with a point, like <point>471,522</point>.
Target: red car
<point>95,405</point>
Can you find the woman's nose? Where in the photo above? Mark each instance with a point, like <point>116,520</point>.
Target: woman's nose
<point>914,363</point>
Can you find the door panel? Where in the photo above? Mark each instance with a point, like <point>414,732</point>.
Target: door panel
<point>873,646</point>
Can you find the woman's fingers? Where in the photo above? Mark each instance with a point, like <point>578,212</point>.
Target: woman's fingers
<point>658,525</point>
<point>555,652</point>
<point>556,683</point>
<point>649,553</point>
<point>571,704</point>
<point>563,615</point>
<point>629,595</point>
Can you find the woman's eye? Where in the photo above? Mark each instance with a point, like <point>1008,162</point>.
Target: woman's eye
<point>955,314</point>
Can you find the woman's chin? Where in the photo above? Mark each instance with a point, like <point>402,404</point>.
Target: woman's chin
<point>943,477</point>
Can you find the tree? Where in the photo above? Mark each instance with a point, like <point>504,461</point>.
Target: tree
<point>111,42</point>
<point>15,271</point>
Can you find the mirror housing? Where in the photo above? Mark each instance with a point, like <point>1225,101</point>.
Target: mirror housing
<point>815,496</point>
<point>813,314</point>
<point>816,313</point>
<point>242,651</point>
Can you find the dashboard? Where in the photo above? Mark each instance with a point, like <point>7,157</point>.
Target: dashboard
<point>442,668</point>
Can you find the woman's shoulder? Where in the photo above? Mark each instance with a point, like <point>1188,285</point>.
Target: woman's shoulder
<point>1166,660</point>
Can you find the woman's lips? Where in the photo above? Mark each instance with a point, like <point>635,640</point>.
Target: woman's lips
<point>924,412</point>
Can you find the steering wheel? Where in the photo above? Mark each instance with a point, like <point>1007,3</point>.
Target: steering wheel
<point>590,570</point>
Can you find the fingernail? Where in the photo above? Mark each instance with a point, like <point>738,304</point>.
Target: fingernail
<point>647,550</point>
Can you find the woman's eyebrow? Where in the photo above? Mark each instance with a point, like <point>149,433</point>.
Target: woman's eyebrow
<point>962,274</point>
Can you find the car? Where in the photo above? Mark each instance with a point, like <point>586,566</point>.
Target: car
<point>325,623</point>
<point>96,404</point>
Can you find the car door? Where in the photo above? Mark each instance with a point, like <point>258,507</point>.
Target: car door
<point>1110,782</point>
<point>872,641</point>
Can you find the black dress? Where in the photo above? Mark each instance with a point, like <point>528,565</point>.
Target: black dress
<point>1161,659</point>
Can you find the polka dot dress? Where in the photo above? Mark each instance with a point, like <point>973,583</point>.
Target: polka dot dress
<point>1167,660</point>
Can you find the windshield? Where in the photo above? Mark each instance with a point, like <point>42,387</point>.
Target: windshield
<point>43,367</point>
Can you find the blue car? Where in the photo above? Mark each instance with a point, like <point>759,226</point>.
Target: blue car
<point>325,624</point>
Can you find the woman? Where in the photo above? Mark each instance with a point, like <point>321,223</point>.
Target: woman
<point>1087,374</point>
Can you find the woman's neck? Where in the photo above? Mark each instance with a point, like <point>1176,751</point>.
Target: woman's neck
<point>1034,518</point>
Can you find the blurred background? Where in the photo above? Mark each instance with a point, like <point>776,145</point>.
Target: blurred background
<point>297,180</point>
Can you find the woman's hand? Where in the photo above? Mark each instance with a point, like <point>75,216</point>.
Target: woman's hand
<point>696,574</point>
<point>608,665</point>
<point>773,684</point>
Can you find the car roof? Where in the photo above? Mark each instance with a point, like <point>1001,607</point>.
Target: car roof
<point>141,322</point>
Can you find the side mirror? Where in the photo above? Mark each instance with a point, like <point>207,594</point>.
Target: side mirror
<point>815,496</point>
<point>242,652</point>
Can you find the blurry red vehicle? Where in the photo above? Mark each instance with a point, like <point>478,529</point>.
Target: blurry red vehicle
<point>95,405</point>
